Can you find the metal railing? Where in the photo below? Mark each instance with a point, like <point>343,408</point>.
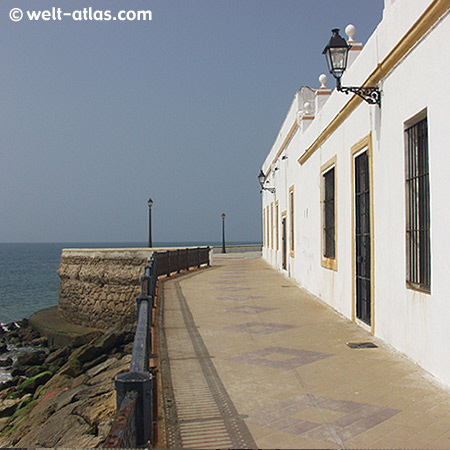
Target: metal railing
<point>136,389</point>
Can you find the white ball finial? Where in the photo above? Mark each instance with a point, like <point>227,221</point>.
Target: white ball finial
<point>350,31</point>
<point>323,79</point>
<point>306,106</point>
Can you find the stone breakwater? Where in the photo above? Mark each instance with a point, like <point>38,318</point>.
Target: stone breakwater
<point>98,286</point>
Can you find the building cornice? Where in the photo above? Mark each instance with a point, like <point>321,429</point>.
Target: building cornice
<point>283,146</point>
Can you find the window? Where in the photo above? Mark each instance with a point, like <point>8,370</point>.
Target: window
<point>418,251</point>
<point>328,186</point>
<point>291,221</point>
<point>328,214</point>
<point>267,227</point>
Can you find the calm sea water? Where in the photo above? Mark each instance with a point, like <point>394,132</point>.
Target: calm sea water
<point>28,278</point>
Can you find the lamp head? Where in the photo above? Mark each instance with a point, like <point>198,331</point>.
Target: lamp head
<point>261,177</point>
<point>336,53</point>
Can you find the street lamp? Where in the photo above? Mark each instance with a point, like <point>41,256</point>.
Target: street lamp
<point>223,233</point>
<point>336,53</point>
<point>150,203</point>
<point>261,178</point>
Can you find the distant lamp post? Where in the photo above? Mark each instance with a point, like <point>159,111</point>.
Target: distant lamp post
<point>150,203</point>
<point>336,53</point>
<point>261,178</point>
<point>223,233</point>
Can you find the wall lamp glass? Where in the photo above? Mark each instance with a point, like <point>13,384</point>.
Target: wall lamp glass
<point>261,178</point>
<point>336,53</point>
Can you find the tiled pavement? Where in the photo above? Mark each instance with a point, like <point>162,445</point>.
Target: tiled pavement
<point>252,361</point>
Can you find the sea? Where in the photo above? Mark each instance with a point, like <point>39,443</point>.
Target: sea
<point>28,278</point>
<point>29,281</point>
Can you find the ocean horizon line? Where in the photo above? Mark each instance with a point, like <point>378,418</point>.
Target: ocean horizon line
<point>138,243</point>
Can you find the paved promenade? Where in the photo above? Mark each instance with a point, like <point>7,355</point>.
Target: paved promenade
<point>252,361</point>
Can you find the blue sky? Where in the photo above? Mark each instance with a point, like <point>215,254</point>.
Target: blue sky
<point>96,117</point>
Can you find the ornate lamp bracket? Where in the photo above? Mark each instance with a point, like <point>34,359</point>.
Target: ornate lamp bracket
<point>370,94</point>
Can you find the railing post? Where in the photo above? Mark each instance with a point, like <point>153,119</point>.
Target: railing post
<point>142,383</point>
<point>178,259</point>
<point>198,257</point>
<point>187,260</point>
<point>168,263</point>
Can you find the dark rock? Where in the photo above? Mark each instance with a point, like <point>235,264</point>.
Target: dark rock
<point>34,358</point>
<point>87,353</point>
<point>129,332</point>
<point>30,385</point>
<point>8,407</point>
<point>98,368</point>
<point>26,335</point>
<point>9,383</point>
<point>3,348</point>
<point>112,338</point>
<point>33,371</point>
<point>23,323</point>
<point>71,369</point>
<point>128,348</point>
<point>17,371</point>
<point>8,362</point>
<point>11,326</point>
<point>95,362</point>
<point>59,355</point>
<point>39,342</point>
<point>85,338</point>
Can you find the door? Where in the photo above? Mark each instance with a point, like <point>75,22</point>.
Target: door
<point>363,239</point>
<point>283,244</point>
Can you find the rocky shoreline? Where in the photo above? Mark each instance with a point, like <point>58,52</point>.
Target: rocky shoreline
<point>59,396</point>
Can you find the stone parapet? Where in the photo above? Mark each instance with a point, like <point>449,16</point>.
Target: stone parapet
<point>98,287</point>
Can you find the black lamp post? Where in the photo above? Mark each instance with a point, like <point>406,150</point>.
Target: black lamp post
<point>150,203</point>
<point>336,53</point>
<point>261,178</point>
<point>223,233</point>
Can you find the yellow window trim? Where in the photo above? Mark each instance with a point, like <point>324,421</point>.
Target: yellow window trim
<point>329,263</point>
<point>277,226</point>
<point>365,142</point>
<point>291,222</point>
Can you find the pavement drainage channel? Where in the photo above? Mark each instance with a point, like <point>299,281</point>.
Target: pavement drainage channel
<point>361,345</point>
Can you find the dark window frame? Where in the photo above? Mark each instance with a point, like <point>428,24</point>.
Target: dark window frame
<point>329,213</point>
<point>418,206</point>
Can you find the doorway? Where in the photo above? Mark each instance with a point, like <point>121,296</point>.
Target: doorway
<point>283,243</point>
<point>363,239</point>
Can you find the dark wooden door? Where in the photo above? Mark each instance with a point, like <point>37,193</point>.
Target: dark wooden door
<point>284,245</point>
<point>363,238</point>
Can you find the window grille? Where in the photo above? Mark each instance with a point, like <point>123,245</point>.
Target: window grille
<point>329,235</point>
<point>418,251</point>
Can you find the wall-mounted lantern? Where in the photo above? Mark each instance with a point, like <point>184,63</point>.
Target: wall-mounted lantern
<point>336,53</point>
<point>261,178</point>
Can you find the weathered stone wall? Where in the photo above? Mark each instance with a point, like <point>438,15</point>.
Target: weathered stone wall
<point>98,287</point>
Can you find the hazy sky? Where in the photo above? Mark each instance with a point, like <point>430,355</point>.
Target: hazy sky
<point>96,117</point>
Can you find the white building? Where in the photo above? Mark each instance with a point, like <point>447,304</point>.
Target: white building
<point>359,215</point>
